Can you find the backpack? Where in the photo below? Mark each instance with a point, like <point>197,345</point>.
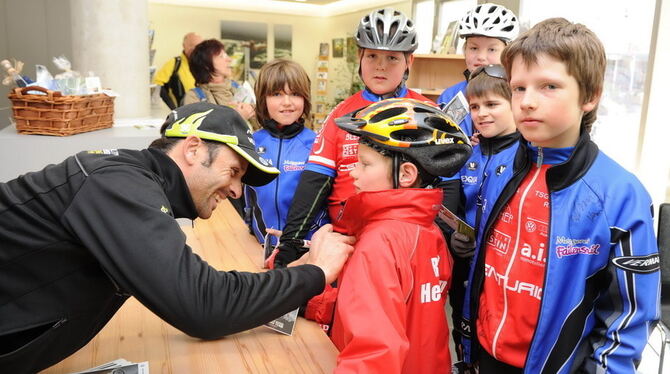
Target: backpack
<point>175,89</point>
<point>199,93</point>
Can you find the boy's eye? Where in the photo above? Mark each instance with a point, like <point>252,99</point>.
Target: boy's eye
<point>551,86</point>
<point>474,107</point>
<point>518,89</point>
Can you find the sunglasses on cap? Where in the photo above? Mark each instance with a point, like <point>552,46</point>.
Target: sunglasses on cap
<point>495,71</point>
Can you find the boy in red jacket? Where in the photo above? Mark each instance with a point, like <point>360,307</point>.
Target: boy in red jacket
<point>389,314</point>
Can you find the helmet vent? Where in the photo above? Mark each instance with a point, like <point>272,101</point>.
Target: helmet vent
<point>493,9</point>
<point>439,124</point>
<point>392,112</point>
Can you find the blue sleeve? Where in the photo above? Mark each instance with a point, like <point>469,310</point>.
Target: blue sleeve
<point>450,92</point>
<point>321,169</point>
<point>635,285</point>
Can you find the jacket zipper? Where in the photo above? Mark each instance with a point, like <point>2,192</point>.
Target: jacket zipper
<point>474,302</point>
<point>279,223</point>
<point>546,268</point>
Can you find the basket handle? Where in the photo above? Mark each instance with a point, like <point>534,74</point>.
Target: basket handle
<point>20,91</point>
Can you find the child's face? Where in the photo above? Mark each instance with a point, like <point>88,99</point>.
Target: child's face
<point>382,71</point>
<point>482,50</point>
<point>285,107</point>
<point>492,115</point>
<point>372,171</point>
<point>545,102</point>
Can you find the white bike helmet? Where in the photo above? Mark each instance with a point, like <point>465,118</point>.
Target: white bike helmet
<point>492,20</point>
<point>387,29</point>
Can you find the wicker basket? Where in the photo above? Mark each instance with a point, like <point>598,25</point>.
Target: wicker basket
<point>55,114</point>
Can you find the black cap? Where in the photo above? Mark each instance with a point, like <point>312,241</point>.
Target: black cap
<point>222,124</point>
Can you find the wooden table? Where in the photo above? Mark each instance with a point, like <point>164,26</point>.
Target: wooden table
<point>137,335</point>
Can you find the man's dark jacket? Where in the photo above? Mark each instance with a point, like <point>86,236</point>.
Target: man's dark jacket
<point>77,239</point>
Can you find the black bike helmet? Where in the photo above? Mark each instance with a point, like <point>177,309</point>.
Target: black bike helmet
<point>412,128</point>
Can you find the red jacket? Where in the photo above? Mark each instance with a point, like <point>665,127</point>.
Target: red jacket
<point>389,315</point>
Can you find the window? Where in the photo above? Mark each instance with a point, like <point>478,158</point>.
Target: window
<point>625,29</point>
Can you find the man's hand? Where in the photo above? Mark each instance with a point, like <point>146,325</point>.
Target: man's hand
<point>474,139</point>
<point>245,110</point>
<point>329,251</point>
<point>461,245</point>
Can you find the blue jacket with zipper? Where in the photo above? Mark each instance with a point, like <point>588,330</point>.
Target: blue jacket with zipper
<point>490,156</point>
<point>601,288</point>
<point>287,149</point>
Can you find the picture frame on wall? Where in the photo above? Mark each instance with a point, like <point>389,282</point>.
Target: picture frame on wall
<point>450,39</point>
<point>322,75</point>
<point>322,65</point>
<point>338,48</point>
<point>352,50</point>
<point>320,108</point>
<point>323,50</point>
<point>321,86</point>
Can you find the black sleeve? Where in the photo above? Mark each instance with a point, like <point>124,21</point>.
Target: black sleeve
<point>451,199</point>
<point>309,199</point>
<point>167,99</point>
<point>119,216</point>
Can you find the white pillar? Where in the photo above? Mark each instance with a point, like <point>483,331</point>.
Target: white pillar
<point>110,38</point>
<point>654,152</point>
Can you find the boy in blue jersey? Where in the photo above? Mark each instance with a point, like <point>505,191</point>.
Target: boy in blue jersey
<point>565,276</point>
<point>490,98</point>
<point>487,29</point>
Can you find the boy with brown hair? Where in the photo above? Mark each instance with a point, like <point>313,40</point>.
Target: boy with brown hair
<point>565,275</point>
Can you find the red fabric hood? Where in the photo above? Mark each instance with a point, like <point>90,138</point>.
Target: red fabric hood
<point>413,205</point>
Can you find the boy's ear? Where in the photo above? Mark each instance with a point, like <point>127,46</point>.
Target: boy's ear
<point>410,60</point>
<point>408,175</point>
<point>592,103</point>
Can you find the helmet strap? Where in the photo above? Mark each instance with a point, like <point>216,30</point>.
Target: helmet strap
<point>396,170</point>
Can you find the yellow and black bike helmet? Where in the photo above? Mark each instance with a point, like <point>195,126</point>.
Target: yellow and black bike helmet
<point>412,128</point>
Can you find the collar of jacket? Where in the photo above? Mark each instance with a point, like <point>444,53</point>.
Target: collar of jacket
<point>412,205</point>
<point>285,132</point>
<point>491,146</point>
<point>174,185</point>
<point>566,173</point>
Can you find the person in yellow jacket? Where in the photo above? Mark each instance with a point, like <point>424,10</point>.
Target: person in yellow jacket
<point>175,76</point>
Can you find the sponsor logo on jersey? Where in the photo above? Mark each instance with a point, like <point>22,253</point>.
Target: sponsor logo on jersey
<point>349,150</point>
<point>114,152</point>
<point>534,256</point>
<point>346,167</point>
<point>293,165</point>
<point>517,286</point>
<point>571,250</point>
<point>469,179</point>
<point>500,169</point>
<point>500,241</point>
<point>472,165</point>
<point>638,264</point>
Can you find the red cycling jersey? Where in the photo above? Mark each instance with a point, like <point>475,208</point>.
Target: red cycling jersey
<point>516,257</point>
